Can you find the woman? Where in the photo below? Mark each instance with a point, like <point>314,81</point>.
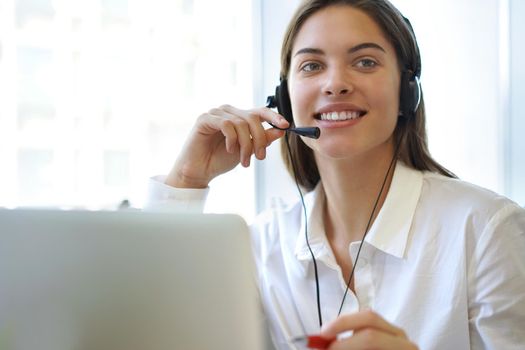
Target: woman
<point>389,250</point>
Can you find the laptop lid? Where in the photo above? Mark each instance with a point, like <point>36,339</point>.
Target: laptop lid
<point>126,280</point>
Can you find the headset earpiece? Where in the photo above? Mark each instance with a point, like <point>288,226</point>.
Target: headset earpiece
<point>281,100</point>
<point>410,88</point>
<point>410,94</point>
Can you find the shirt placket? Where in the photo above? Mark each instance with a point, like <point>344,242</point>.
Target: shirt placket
<point>334,297</point>
<point>363,283</point>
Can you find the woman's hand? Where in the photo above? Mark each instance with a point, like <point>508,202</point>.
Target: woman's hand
<point>370,331</point>
<point>221,139</point>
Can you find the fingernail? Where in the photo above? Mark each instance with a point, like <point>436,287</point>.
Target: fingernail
<point>261,153</point>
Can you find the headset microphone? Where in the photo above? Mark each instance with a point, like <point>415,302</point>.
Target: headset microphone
<point>283,107</point>
<point>311,132</point>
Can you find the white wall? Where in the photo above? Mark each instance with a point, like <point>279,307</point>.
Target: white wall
<point>463,63</point>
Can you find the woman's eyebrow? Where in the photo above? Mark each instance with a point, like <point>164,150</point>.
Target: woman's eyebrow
<point>365,46</point>
<point>311,50</point>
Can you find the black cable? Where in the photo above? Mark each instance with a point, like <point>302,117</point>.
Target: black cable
<point>392,162</point>
<point>306,232</point>
<point>366,229</point>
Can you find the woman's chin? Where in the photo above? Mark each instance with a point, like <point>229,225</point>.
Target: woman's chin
<point>336,150</point>
<point>349,149</point>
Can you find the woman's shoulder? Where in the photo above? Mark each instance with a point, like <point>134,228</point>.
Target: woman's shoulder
<point>457,188</point>
<point>455,196</point>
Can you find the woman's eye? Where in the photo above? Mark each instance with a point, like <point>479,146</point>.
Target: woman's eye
<point>366,63</point>
<point>311,67</point>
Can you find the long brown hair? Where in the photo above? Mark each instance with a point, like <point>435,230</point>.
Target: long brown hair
<point>410,133</point>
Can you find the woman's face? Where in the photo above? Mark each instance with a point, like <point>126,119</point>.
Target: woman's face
<point>344,78</point>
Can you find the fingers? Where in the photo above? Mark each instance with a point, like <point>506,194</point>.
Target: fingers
<point>243,130</point>
<point>373,339</point>
<point>361,320</point>
<point>370,331</point>
<point>273,134</point>
<point>265,114</point>
<point>260,138</point>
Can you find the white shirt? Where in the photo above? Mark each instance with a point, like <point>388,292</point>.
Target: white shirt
<point>444,260</point>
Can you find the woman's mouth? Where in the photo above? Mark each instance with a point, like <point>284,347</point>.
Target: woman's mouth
<point>340,115</point>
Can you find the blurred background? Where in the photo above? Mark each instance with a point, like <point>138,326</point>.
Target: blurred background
<point>96,96</point>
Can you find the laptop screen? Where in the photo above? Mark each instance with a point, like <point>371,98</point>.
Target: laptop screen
<point>126,280</point>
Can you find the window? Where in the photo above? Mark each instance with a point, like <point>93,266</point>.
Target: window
<point>97,96</point>
<point>30,11</point>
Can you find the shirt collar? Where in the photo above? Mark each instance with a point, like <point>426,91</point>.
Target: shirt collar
<point>390,229</point>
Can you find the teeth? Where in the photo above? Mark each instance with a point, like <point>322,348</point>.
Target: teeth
<point>344,115</point>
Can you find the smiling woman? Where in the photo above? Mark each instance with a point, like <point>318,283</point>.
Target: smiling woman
<point>365,65</point>
<point>338,48</point>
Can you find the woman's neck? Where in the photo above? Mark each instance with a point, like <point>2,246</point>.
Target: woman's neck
<point>352,187</point>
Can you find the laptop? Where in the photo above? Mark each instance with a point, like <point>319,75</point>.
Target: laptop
<point>126,280</point>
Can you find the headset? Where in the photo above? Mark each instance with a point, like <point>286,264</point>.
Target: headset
<point>410,87</point>
<point>409,94</point>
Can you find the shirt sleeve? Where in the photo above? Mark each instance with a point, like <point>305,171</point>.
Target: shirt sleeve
<point>497,283</point>
<point>162,197</point>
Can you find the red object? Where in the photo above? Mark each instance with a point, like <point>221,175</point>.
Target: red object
<point>314,341</point>
<point>318,342</point>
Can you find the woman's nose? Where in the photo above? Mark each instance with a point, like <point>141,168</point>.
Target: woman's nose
<point>336,92</point>
<point>337,84</point>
